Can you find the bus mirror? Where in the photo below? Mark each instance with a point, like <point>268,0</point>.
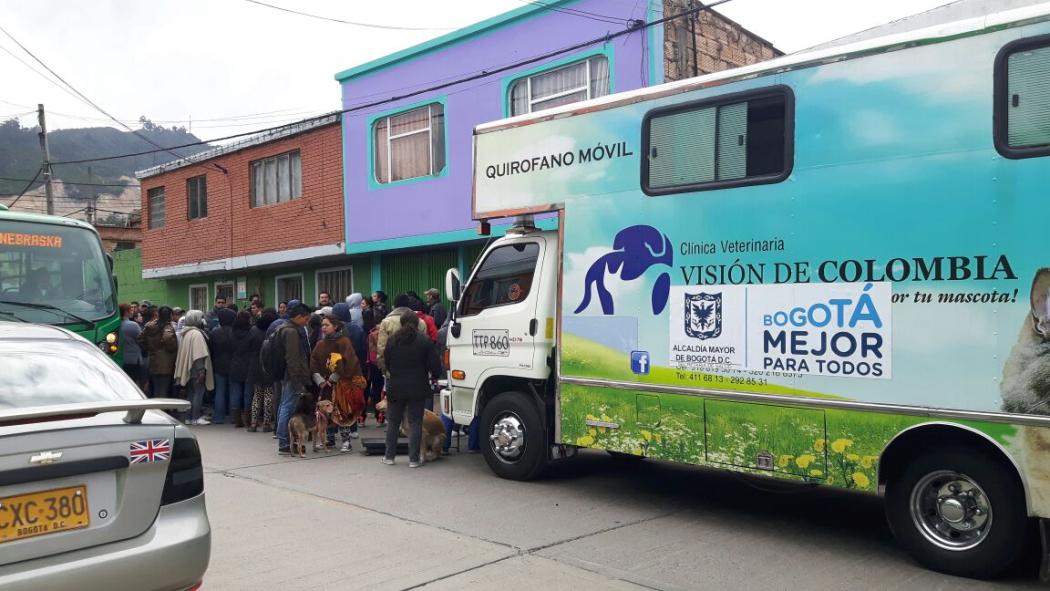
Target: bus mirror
<point>452,285</point>
<point>115,290</point>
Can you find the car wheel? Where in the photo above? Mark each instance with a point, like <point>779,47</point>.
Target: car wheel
<point>959,511</point>
<point>514,437</point>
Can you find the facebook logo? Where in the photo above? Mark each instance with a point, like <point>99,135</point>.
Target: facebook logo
<point>640,362</point>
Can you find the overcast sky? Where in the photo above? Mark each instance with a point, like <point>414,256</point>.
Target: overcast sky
<point>234,66</point>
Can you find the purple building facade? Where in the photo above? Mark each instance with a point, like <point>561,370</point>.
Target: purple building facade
<point>408,163</point>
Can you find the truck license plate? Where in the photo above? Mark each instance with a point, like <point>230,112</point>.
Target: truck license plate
<point>40,513</point>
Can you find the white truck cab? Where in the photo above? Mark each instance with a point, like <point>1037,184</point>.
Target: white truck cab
<point>500,349</point>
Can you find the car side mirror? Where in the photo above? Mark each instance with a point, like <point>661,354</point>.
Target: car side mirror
<point>453,286</point>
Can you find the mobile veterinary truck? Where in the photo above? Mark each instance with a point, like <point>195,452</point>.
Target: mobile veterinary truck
<point>832,267</point>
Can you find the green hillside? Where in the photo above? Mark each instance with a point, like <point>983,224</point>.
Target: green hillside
<point>20,154</point>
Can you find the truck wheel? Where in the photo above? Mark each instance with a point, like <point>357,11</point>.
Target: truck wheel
<point>959,511</point>
<point>514,438</point>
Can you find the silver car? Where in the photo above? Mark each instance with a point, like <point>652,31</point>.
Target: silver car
<point>99,489</point>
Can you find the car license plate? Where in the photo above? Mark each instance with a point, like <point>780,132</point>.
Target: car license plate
<point>48,512</point>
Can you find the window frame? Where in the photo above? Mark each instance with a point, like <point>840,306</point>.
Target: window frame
<point>277,284</point>
<point>508,102</point>
<point>252,201</point>
<point>1000,116</point>
<point>317,282</point>
<point>725,99</point>
<point>189,293</point>
<point>461,306</point>
<point>233,290</point>
<point>150,193</point>
<point>200,179</point>
<point>370,129</point>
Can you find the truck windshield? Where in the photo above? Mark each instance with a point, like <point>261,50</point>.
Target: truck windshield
<point>55,268</point>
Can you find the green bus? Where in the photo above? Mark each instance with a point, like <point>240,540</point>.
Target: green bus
<point>53,270</point>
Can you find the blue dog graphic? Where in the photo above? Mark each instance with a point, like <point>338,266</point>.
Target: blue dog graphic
<point>636,249</point>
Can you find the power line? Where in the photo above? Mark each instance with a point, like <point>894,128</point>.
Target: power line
<point>29,184</point>
<point>35,71</point>
<point>637,26</point>
<point>594,16</point>
<point>85,98</point>
<point>356,24</point>
<point>5,178</point>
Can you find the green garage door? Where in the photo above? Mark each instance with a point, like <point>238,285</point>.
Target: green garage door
<point>417,271</point>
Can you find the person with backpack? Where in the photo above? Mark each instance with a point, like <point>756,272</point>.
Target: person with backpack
<point>421,311</point>
<point>392,323</point>
<point>263,398</point>
<point>288,361</point>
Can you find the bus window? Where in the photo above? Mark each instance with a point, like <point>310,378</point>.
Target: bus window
<point>740,139</point>
<point>1022,80</point>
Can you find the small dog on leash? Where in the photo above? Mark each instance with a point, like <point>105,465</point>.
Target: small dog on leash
<point>322,416</point>
<point>433,440</point>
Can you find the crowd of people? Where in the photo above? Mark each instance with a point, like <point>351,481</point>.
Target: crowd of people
<point>258,367</point>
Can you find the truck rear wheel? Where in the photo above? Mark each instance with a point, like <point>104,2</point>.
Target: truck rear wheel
<point>958,510</point>
<point>514,438</point>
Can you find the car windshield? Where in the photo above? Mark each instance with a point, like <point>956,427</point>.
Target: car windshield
<point>55,372</point>
<point>60,269</point>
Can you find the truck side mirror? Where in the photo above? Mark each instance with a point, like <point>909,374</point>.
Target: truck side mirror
<point>452,285</point>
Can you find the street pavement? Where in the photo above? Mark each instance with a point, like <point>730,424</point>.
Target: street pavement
<point>345,521</point>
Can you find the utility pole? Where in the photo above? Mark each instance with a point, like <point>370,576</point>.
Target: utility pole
<point>47,160</point>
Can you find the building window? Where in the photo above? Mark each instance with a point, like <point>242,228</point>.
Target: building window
<point>197,195</point>
<point>289,287</point>
<point>504,278</point>
<point>224,290</point>
<point>124,245</point>
<point>199,297</point>
<point>339,283</point>
<point>277,179</point>
<point>740,139</point>
<point>410,144</point>
<point>155,199</point>
<point>575,82</point>
<point>1022,80</point>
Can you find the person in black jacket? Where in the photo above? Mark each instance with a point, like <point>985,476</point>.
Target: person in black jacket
<point>239,387</point>
<point>411,359</point>
<point>221,347</point>
<point>263,386</point>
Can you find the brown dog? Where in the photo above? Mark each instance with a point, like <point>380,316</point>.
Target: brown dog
<point>321,418</point>
<point>433,440</point>
<point>298,431</point>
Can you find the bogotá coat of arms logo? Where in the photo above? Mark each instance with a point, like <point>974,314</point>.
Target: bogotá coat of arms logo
<point>703,315</point>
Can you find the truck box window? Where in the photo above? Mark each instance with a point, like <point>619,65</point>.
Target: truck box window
<point>504,278</point>
<point>741,139</point>
<point>1023,98</point>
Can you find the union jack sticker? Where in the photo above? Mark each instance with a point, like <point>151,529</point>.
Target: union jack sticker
<point>150,450</point>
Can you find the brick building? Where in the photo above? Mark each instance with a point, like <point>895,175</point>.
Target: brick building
<point>263,216</point>
<point>708,42</point>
